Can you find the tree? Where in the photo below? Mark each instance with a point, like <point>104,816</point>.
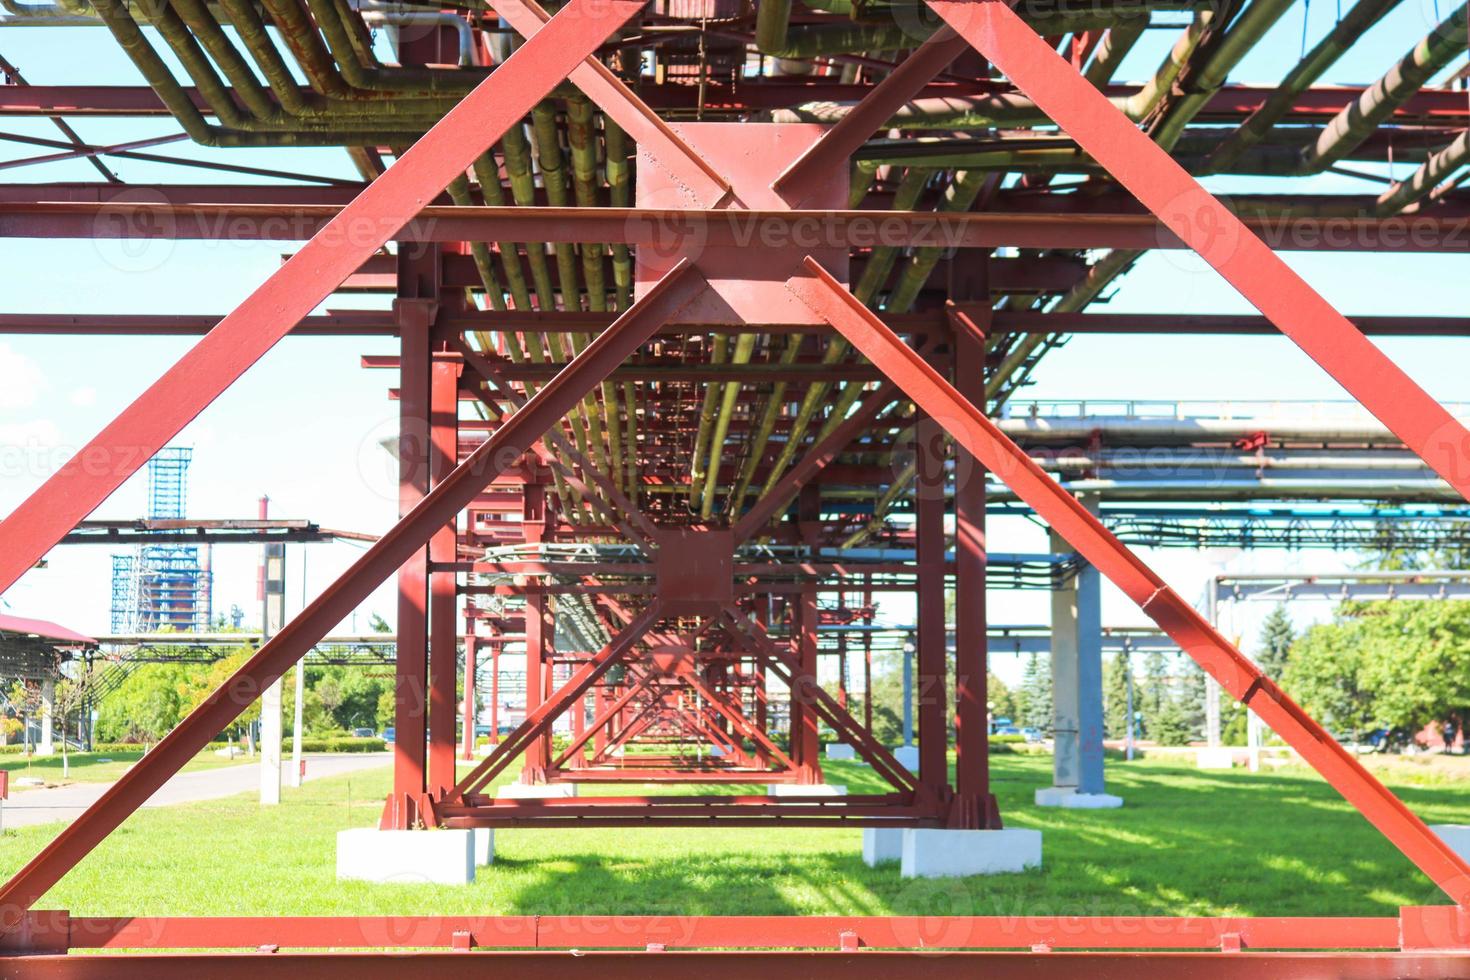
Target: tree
<point>1324,674</point>
<point>1274,647</point>
<point>1115,695</point>
<point>1035,698</point>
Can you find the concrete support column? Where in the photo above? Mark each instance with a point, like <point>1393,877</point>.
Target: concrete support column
<point>1076,659</point>
<point>273,617</point>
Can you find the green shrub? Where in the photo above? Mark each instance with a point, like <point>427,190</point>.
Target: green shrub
<point>344,743</point>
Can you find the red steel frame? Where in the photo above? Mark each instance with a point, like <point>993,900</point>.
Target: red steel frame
<point>432,497</point>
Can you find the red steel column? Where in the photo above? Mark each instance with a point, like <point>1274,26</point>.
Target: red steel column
<point>975,806</point>
<point>495,690</point>
<point>539,636</point>
<point>804,735</point>
<point>467,719</point>
<point>933,713</point>
<point>411,667</point>
<point>443,594</point>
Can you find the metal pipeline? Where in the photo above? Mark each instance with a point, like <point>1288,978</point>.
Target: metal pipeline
<point>1200,81</point>
<point>1354,124</point>
<point>775,37</point>
<point>1084,430</point>
<point>1363,16</point>
<point>1434,171</point>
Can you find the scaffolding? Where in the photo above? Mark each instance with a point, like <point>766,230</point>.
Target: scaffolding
<point>164,586</point>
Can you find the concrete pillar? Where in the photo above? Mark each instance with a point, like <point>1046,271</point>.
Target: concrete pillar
<point>47,744</point>
<point>273,617</point>
<point>1076,665</point>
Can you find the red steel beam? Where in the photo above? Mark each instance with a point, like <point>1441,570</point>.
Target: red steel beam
<point>1197,218</point>
<point>370,323</point>
<point>306,279</point>
<point>1163,932</point>
<point>912,964</point>
<point>336,603</point>
<point>1433,231</point>
<point>1235,672</point>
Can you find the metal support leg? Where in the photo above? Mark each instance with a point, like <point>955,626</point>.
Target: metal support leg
<point>443,594</point>
<point>933,704</point>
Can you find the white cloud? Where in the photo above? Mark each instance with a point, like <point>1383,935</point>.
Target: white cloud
<point>84,397</point>
<point>24,379</point>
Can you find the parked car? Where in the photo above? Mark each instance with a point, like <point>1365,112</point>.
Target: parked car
<point>1032,734</point>
<point>996,724</point>
<point>363,733</point>
<point>1008,730</point>
<point>388,735</point>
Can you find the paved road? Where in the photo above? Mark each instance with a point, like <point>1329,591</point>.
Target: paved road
<point>34,806</point>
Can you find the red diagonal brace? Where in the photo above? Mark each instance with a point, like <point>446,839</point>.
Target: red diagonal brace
<point>806,174</point>
<point>538,721</point>
<point>601,719</point>
<point>455,492</point>
<point>1235,672</point>
<point>805,685</point>
<point>307,278</point>
<point>1213,230</point>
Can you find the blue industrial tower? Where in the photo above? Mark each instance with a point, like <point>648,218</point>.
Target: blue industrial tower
<point>163,586</point>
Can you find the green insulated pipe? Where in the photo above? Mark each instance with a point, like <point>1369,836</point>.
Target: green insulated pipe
<point>1354,124</point>
<point>1323,56</point>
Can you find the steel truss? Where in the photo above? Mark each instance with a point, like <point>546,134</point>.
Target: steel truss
<point>657,641</point>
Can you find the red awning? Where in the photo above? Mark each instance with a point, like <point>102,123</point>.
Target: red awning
<point>43,629</point>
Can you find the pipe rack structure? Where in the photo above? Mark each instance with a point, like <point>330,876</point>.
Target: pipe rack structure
<point>686,295</point>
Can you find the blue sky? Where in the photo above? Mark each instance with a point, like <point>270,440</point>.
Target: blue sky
<point>302,425</point>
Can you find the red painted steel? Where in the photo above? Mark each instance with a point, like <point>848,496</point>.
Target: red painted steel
<point>307,278</point>
<point>1163,932</point>
<point>442,504</point>
<point>1213,230</point>
<point>1235,672</point>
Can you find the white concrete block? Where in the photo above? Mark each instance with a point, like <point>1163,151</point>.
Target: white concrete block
<point>1220,757</point>
<point>1457,835</point>
<point>439,857</point>
<point>882,845</point>
<point>960,853</point>
<point>484,846</point>
<point>815,789</point>
<point>536,791</point>
<point>841,750</point>
<point>1069,799</point>
<point>907,755</point>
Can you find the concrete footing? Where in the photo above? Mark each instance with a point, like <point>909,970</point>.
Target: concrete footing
<point>1219,757</point>
<point>882,845</point>
<point>536,791</point>
<point>907,755</point>
<point>1068,798</point>
<point>438,857</point>
<point>1457,835</point>
<point>484,846</point>
<point>811,789</point>
<point>960,853</point>
<point>841,751</point>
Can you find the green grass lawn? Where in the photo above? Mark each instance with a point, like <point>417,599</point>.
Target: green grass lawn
<point>1187,841</point>
<point>93,767</point>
